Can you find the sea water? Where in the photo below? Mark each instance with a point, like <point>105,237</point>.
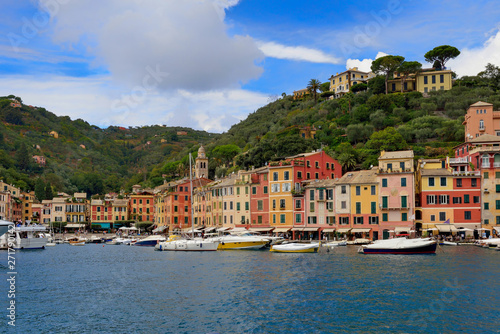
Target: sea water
<point>127,289</point>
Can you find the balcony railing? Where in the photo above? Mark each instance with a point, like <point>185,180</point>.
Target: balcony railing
<point>485,165</point>
<point>458,161</point>
<point>467,173</point>
<point>496,164</point>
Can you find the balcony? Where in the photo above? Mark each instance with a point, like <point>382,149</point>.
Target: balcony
<point>458,161</point>
<point>496,164</point>
<point>467,173</point>
<point>485,165</point>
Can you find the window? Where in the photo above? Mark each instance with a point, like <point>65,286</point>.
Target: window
<point>329,194</point>
<point>329,206</point>
<point>358,220</point>
<point>321,195</point>
<point>316,164</point>
<point>467,215</point>
<point>441,78</point>
<point>486,205</point>
<point>431,182</point>
<point>442,216</point>
<point>316,175</point>
<point>286,175</point>
<point>311,194</point>
<point>384,202</point>
<point>343,190</point>
<point>299,175</point>
<point>287,187</point>
<point>403,182</point>
<point>389,166</point>
<point>373,190</point>
<point>476,199</point>
<point>486,175</point>
<point>404,216</point>
<point>311,207</point>
<point>308,176</point>
<point>459,183</point>
<point>275,176</point>
<point>343,205</point>
<point>259,205</point>
<point>246,190</point>
<point>373,220</point>
<point>358,190</point>
<point>497,205</point>
<point>282,203</point>
<point>358,208</point>
<point>473,183</point>
<point>237,190</point>
<point>466,199</point>
<point>254,190</point>
<point>402,166</point>
<point>238,206</point>
<point>297,204</point>
<point>373,206</point>
<point>486,221</point>
<point>384,183</point>
<point>457,200</point>
<point>265,189</point>
<point>259,219</point>
<point>275,188</point>
<point>274,204</point>
<point>385,217</point>
<point>175,208</point>
<point>443,182</point>
<point>497,188</point>
<point>404,202</point>
<point>433,79</point>
<point>327,165</point>
<point>481,125</point>
<point>298,218</point>
<point>444,199</point>
<point>497,220</point>
<point>282,218</point>
<point>433,218</point>
<point>426,80</point>
<point>431,199</point>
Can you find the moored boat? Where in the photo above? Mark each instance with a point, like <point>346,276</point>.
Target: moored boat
<point>29,237</point>
<point>77,242</point>
<point>400,246</point>
<point>175,243</point>
<point>448,243</point>
<point>295,248</point>
<point>150,241</point>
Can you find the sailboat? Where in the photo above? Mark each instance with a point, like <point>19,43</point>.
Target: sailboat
<point>176,243</point>
<point>51,241</point>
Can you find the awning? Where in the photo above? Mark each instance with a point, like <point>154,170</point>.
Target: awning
<point>210,229</point>
<point>402,229</point>
<point>343,230</point>
<point>446,228</point>
<point>75,226</point>
<point>260,229</point>
<point>310,229</point>
<point>361,230</point>
<point>160,229</point>
<point>281,229</point>
<point>220,229</point>
<point>297,229</point>
<point>328,230</point>
<point>187,229</point>
<point>497,229</point>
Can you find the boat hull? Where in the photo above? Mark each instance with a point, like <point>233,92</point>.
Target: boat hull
<point>428,249</point>
<point>187,246</point>
<point>77,243</point>
<point>295,248</point>
<point>248,245</point>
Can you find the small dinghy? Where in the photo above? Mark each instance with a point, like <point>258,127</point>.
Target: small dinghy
<point>295,248</point>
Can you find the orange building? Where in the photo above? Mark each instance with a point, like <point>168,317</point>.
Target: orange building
<point>481,119</point>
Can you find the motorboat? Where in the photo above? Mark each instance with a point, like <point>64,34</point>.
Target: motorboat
<point>95,240</point>
<point>150,241</point>
<point>125,240</point>
<point>27,237</point>
<point>176,243</point>
<point>400,246</point>
<point>295,247</point>
<point>77,243</point>
<point>242,240</point>
<point>4,226</point>
<point>489,243</point>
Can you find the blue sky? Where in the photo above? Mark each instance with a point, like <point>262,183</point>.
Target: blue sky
<point>206,64</point>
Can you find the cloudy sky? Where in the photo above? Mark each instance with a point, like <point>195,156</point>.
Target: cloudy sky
<point>207,64</point>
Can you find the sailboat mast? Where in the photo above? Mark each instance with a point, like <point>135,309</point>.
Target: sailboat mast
<point>191,197</point>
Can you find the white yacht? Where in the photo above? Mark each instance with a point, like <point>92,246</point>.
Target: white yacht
<point>29,237</point>
<point>242,240</point>
<point>176,243</point>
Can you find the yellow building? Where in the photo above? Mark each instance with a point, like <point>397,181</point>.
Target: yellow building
<point>341,83</point>
<point>425,81</point>
<point>298,94</point>
<point>280,196</point>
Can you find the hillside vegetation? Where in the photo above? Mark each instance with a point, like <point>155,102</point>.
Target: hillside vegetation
<point>353,129</point>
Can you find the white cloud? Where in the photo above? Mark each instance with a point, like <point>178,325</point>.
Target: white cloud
<point>187,39</point>
<point>365,64</point>
<point>94,100</point>
<point>299,53</point>
<point>473,61</point>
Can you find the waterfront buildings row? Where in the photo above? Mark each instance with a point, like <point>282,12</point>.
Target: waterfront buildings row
<point>307,195</point>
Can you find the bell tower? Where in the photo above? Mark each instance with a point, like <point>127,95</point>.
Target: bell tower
<point>201,168</point>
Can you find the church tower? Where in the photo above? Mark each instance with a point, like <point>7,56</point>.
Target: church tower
<point>201,168</point>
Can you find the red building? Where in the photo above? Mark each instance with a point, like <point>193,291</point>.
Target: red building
<point>259,198</point>
<point>142,206</point>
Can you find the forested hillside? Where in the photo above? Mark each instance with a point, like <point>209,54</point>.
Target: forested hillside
<point>353,129</point>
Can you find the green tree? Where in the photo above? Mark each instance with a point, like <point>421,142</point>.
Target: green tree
<point>226,153</point>
<point>491,75</point>
<point>346,155</point>
<point>48,192</point>
<point>23,158</point>
<point>406,68</point>
<point>387,140</point>
<point>313,87</point>
<point>325,87</point>
<point>40,189</point>
<point>376,85</point>
<point>359,87</point>
<point>386,66</point>
<point>441,54</point>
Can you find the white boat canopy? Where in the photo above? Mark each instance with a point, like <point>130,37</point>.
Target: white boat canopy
<point>160,229</point>
<point>221,229</point>
<point>260,229</point>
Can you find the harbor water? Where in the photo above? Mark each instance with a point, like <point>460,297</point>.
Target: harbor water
<point>125,289</point>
